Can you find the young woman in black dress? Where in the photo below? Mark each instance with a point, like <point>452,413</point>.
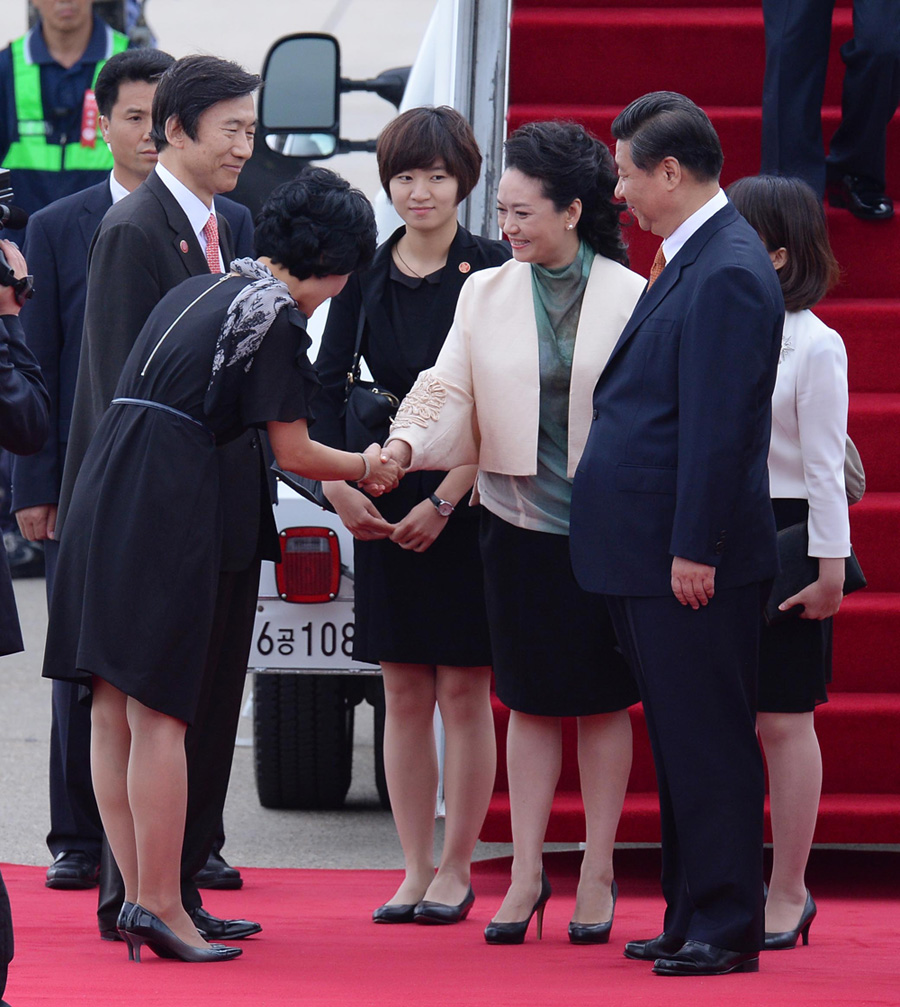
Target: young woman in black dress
<point>139,567</point>
<point>419,596</point>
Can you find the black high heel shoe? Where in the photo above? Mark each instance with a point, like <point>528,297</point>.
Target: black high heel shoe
<point>122,924</point>
<point>788,938</point>
<point>514,933</point>
<point>594,933</point>
<point>398,912</point>
<point>144,927</point>
<point>439,912</point>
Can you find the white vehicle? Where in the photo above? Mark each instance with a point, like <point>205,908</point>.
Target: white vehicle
<point>306,684</point>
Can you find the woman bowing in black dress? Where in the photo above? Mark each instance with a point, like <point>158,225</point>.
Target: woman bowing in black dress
<point>418,578</point>
<point>138,579</point>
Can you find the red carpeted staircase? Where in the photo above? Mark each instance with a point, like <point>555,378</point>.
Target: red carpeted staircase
<point>585,60</point>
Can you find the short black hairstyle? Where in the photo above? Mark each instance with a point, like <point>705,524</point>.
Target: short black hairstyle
<point>420,136</point>
<point>146,65</point>
<point>667,124</point>
<point>786,213</point>
<point>316,225</point>
<point>571,163</point>
<point>192,85</point>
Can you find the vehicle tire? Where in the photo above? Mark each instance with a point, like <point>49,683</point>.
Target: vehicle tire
<point>375,695</point>
<point>303,741</point>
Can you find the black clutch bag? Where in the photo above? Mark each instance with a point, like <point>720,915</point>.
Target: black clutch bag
<point>799,570</point>
<point>309,489</point>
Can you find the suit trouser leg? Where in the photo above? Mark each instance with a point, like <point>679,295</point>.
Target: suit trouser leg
<point>697,676</point>
<point>798,38</point>
<point>209,743</point>
<point>6,935</point>
<point>74,816</point>
<point>871,91</point>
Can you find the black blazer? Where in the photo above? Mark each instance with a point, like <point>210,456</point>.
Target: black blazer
<point>24,421</point>
<point>382,352</point>
<point>57,244</point>
<point>675,463</point>
<point>144,247</point>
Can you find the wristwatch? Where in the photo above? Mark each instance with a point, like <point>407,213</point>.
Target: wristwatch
<point>443,507</point>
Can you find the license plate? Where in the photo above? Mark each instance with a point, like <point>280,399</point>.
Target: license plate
<point>304,637</point>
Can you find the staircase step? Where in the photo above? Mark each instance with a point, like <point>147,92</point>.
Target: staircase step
<point>739,129</point>
<point>843,818</point>
<point>869,331</point>
<point>857,733</point>
<point>578,4</point>
<point>866,632</point>
<point>874,532</point>
<point>613,55</point>
<point>874,425</point>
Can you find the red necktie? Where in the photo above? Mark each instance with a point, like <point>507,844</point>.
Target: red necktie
<point>659,264</point>
<point>211,233</point>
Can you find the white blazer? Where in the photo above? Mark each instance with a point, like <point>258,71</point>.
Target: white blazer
<point>809,430</point>
<point>480,402</point>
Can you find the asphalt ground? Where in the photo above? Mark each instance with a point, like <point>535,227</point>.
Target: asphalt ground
<point>374,35</point>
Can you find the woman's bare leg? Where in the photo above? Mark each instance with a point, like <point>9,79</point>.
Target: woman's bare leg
<point>795,785</point>
<point>411,770</point>
<point>470,764</point>
<point>110,748</point>
<point>533,760</point>
<point>157,793</point>
<point>604,763</point>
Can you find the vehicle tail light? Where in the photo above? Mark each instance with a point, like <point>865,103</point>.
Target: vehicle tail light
<point>310,567</point>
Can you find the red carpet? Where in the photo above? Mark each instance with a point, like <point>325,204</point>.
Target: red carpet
<point>320,948</point>
<point>585,60</point>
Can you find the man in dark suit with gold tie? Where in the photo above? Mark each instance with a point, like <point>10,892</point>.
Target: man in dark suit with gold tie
<point>672,522</point>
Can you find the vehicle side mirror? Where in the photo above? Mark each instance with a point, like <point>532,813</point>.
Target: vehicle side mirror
<point>300,105</point>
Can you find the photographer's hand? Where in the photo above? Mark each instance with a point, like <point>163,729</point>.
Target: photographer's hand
<point>9,304</point>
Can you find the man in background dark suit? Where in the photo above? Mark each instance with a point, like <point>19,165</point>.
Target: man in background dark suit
<point>671,520</point>
<point>798,39</point>
<point>56,245</point>
<point>24,422</point>
<point>148,243</point>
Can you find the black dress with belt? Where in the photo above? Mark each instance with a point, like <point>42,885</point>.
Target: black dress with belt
<point>411,608</point>
<point>140,556</point>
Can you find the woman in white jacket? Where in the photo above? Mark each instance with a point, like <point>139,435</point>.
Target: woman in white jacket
<point>511,390</point>
<point>806,475</point>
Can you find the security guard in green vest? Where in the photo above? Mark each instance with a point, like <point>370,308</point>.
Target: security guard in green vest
<point>49,137</point>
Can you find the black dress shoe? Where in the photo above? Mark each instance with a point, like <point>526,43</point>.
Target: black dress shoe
<point>397,912</point>
<point>655,947</point>
<point>862,197</point>
<point>788,938</point>
<point>440,912</point>
<point>211,927</point>
<point>698,959</point>
<point>73,869</point>
<point>145,927</point>
<point>218,874</point>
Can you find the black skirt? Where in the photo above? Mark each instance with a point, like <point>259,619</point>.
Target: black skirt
<point>422,608</point>
<point>555,651</point>
<point>794,654</point>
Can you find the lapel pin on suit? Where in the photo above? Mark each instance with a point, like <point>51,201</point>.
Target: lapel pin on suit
<point>464,267</point>
<point>184,246</point>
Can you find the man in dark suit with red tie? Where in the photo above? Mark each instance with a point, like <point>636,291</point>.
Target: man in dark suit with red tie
<point>165,231</point>
<point>672,522</point>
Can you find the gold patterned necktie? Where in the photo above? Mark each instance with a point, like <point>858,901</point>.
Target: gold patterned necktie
<point>659,264</point>
<point>211,233</point>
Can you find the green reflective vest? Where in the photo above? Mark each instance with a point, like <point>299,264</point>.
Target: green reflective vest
<point>31,151</point>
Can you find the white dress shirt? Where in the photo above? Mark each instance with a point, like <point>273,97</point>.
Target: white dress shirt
<point>116,189</point>
<point>196,211</point>
<point>672,245</point>
<point>809,430</point>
